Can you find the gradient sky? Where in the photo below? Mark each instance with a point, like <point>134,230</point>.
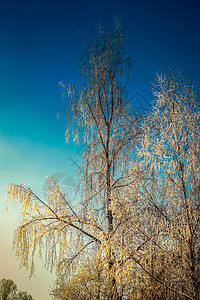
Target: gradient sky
<point>39,43</point>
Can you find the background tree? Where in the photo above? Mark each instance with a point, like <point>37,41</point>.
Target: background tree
<point>24,296</point>
<point>9,291</point>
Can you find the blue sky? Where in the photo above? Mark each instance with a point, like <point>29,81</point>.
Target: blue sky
<point>39,44</point>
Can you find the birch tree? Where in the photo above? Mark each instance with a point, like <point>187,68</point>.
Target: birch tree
<point>170,152</point>
<point>65,233</point>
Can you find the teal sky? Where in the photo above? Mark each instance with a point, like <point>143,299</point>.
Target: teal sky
<point>39,44</point>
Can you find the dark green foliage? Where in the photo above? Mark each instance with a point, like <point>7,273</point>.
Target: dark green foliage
<point>9,291</point>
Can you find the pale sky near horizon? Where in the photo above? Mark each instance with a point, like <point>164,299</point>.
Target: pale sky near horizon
<point>38,47</point>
